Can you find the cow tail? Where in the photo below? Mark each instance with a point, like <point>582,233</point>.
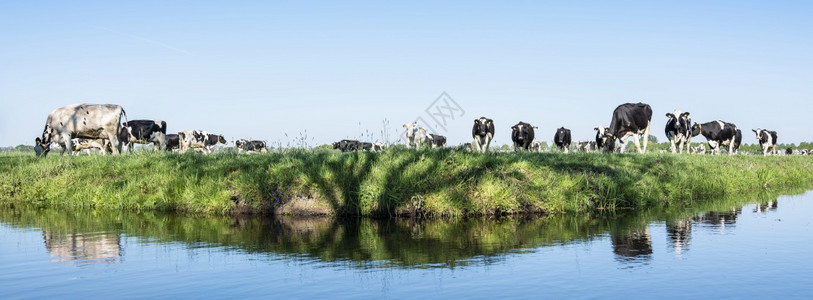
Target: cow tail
<point>125,115</point>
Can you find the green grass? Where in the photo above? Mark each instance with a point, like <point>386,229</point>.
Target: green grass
<point>398,181</point>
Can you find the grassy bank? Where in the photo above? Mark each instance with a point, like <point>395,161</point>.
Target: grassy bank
<point>397,181</point>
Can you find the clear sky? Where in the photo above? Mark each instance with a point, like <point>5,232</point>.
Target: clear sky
<point>338,69</point>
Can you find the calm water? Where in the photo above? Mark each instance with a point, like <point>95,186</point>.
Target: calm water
<point>734,249</point>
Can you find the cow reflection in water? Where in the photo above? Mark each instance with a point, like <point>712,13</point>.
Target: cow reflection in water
<point>632,246</point>
<point>679,234</point>
<point>766,206</point>
<point>719,220</point>
<point>83,248</point>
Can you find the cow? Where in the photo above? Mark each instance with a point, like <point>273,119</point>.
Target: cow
<point>89,121</point>
<point>80,144</point>
<point>562,139</point>
<point>173,142</point>
<point>536,146</point>
<point>250,146</point>
<point>379,147</point>
<point>522,135</point>
<point>586,146</point>
<point>347,145</point>
<point>415,135</point>
<point>629,119</point>
<point>436,140</point>
<point>700,149</point>
<point>679,131</point>
<point>482,132</point>
<point>467,146</point>
<point>601,137</point>
<point>737,141</point>
<point>767,139</point>
<point>199,140</point>
<point>718,133</point>
<point>145,132</point>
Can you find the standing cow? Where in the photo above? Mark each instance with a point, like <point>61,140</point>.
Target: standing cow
<point>718,133</point>
<point>629,119</point>
<point>737,140</point>
<point>89,121</point>
<point>483,133</point>
<point>679,131</point>
<point>173,142</point>
<point>199,140</point>
<point>767,139</point>
<point>145,132</point>
<point>415,135</point>
<point>522,135</point>
<point>437,141</point>
<point>562,139</point>
<point>250,146</point>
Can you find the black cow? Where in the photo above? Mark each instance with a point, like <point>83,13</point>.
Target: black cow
<point>562,139</point>
<point>250,146</point>
<point>767,139</point>
<point>347,145</point>
<point>718,133</point>
<point>629,119</point>
<point>679,131</point>
<point>737,141</point>
<point>483,133</point>
<point>522,135</point>
<point>145,132</point>
<point>436,140</point>
<point>173,142</point>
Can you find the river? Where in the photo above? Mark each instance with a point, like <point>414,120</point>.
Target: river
<point>716,249</point>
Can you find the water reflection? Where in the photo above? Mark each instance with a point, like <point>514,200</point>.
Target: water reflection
<point>83,248</point>
<point>91,237</point>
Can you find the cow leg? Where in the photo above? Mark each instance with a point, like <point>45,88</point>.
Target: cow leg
<point>68,146</point>
<point>646,136</point>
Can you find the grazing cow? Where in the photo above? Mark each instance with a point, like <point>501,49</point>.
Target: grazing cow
<point>767,139</point>
<point>467,146</point>
<point>347,145</point>
<point>700,149</point>
<point>199,140</point>
<point>562,139</point>
<point>789,151</point>
<point>536,146</point>
<point>80,144</point>
<point>522,135</point>
<point>629,119</point>
<point>366,146</point>
<point>679,131</point>
<point>145,132</point>
<point>415,135</point>
<point>379,147</point>
<point>718,133</point>
<point>173,142</point>
<point>250,146</point>
<point>483,133</point>
<point>804,152</point>
<point>586,146</point>
<point>89,121</point>
<point>436,141</point>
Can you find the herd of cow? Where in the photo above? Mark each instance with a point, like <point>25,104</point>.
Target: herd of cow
<point>85,126</point>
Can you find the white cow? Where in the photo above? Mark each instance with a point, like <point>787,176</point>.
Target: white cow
<point>415,135</point>
<point>90,121</point>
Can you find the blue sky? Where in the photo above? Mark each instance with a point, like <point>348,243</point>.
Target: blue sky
<point>338,69</point>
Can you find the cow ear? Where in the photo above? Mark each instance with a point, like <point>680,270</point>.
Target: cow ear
<point>685,115</point>
<point>595,129</point>
<point>405,126</point>
<point>670,115</point>
<point>38,141</point>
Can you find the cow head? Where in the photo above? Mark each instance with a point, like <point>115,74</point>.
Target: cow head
<point>561,134</point>
<point>412,129</point>
<point>522,131</point>
<point>41,148</point>
<point>696,129</point>
<point>680,122</point>
<point>482,127</point>
<point>221,139</point>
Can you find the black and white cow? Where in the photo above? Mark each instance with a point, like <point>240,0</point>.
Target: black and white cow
<point>536,146</point>
<point>586,146</point>
<point>437,141</point>
<point>737,141</point>
<point>89,121</point>
<point>700,149</point>
<point>483,133</point>
<point>718,133</point>
<point>199,140</point>
<point>601,137</point>
<point>767,139</point>
<point>629,119</point>
<point>145,132</point>
<point>679,131</point>
<point>250,146</point>
<point>80,144</point>
<point>562,139</point>
<point>522,135</point>
<point>379,147</point>
<point>415,135</point>
<point>173,142</point>
<point>347,145</point>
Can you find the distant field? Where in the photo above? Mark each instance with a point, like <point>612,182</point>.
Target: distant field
<point>397,181</point>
